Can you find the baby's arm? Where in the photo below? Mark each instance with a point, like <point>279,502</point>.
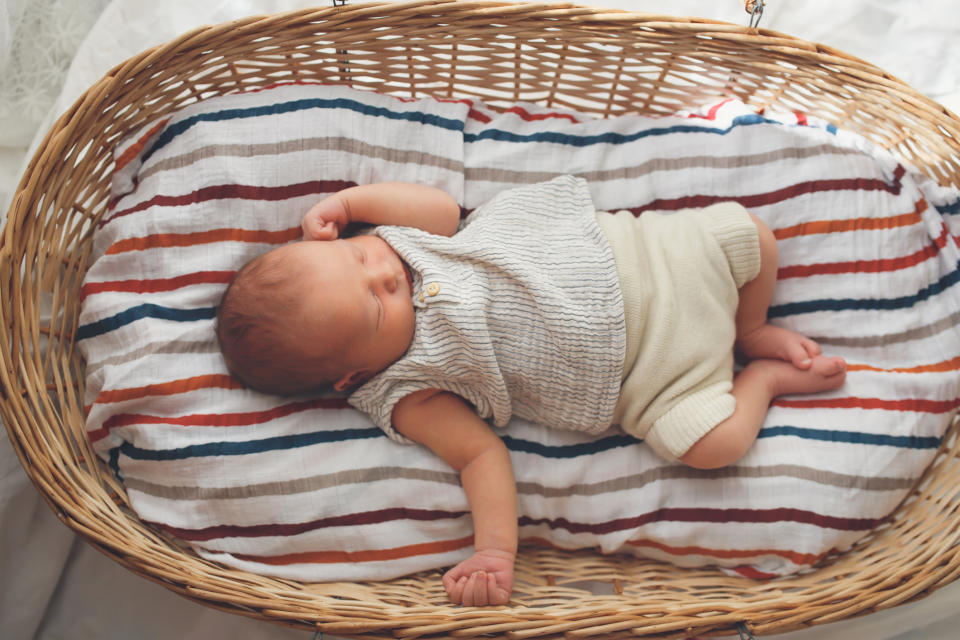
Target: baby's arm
<point>450,427</point>
<point>395,203</point>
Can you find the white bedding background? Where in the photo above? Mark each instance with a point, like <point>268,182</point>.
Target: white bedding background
<point>51,584</point>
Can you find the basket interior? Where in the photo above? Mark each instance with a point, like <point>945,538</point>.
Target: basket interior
<point>602,63</point>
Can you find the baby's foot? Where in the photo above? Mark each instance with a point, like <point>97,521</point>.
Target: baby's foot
<point>769,341</point>
<point>822,374</point>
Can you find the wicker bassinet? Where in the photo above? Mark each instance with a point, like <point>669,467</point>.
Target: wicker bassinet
<point>603,62</point>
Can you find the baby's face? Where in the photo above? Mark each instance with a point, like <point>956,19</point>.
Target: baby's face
<point>364,290</point>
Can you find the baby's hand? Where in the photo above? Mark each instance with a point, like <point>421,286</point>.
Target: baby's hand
<point>484,579</point>
<point>326,219</point>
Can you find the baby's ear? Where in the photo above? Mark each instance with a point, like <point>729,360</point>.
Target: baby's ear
<point>350,380</point>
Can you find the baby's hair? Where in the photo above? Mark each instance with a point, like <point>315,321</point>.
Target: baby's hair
<point>256,332</point>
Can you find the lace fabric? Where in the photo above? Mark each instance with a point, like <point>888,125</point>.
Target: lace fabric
<point>38,39</point>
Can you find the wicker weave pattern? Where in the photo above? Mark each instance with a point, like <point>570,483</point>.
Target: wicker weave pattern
<point>606,63</point>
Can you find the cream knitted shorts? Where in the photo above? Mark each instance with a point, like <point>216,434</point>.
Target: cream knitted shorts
<point>679,274</point>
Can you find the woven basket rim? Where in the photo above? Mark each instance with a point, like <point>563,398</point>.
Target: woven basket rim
<point>45,247</point>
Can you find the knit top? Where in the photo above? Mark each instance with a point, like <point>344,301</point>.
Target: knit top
<point>519,313</point>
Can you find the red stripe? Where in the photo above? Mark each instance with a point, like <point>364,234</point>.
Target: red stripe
<point>368,555</point>
<point>763,199</point>
<point>216,419</point>
<point>753,573</point>
<point>534,117</point>
<point>712,114</point>
<point>157,285</point>
<point>238,191</point>
<point>708,515</point>
<point>916,405</point>
<point>520,112</point>
<point>480,117</point>
<point>297,528</point>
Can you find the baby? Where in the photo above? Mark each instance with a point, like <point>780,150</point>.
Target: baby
<point>538,307</point>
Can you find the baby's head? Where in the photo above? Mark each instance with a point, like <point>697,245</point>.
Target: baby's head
<point>317,313</point>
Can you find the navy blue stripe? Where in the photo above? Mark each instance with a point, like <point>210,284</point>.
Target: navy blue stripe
<point>853,437</point>
<point>211,449</point>
<point>570,450</point>
<point>513,444</point>
<point>323,437</point>
<point>556,137</point>
<point>177,128</point>
<point>145,310</point>
<point>115,463</point>
<point>948,209</point>
<point>865,304</point>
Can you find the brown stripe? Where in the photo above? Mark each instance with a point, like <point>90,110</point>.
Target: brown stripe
<point>294,486</point>
<point>625,483</point>
<point>295,528</point>
<point>332,143</point>
<point>719,516</point>
<point>514,177</point>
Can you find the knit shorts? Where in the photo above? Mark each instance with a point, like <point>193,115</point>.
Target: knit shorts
<point>679,274</point>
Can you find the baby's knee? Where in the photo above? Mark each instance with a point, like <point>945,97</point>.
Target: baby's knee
<point>720,447</point>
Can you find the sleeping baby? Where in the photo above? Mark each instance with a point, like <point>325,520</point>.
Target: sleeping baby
<point>536,306</point>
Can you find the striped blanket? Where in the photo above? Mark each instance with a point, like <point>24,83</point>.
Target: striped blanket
<point>307,488</point>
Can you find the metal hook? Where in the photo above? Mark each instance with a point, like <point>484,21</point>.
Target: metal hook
<point>339,3</point>
<point>756,13</point>
<point>745,632</point>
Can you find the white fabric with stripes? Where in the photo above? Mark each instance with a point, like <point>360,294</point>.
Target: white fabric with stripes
<point>309,488</point>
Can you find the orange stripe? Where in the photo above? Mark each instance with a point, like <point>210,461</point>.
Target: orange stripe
<point>917,405</point>
<point>157,285</point>
<point>164,240</point>
<point>864,266</point>
<point>947,365</point>
<point>852,224</point>
<point>792,556</point>
<point>371,555</point>
<point>134,150</point>
<point>213,381</point>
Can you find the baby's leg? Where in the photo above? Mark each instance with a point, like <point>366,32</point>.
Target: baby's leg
<point>755,337</point>
<point>754,388</point>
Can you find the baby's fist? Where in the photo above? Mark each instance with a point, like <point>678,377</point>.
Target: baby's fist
<point>484,579</point>
<point>325,220</point>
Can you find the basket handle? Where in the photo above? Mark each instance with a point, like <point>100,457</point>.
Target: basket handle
<point>742,630</point>
<point>755,9</point>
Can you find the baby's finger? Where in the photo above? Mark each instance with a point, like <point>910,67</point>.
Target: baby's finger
<point>479,584</point>
<point>449,580</point>
<point>455,592</point>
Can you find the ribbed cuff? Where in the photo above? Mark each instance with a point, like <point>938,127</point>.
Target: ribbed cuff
<point>693,417</point>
